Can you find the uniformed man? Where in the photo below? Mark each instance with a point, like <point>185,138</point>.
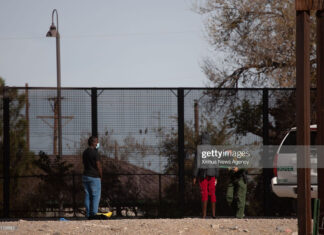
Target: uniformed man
<point>236,189</point>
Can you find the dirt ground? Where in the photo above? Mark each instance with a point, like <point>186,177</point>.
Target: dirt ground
<point>184,226</point>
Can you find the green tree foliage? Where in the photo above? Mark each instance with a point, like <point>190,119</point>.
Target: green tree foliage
<point>20,157</point>
<point>56,186</point>
<point>246,117</point>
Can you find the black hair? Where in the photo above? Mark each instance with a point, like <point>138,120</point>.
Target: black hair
<point>91,140</point>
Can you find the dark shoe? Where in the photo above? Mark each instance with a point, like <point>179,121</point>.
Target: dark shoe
<point>97,217</point>
<point>240,217</point>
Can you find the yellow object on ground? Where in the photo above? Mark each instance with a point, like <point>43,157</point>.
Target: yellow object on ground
<point>108,214</point>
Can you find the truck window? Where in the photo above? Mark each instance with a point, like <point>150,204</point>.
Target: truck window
<point>292,140</point>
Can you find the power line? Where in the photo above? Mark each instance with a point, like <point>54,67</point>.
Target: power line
<point>104,35</point>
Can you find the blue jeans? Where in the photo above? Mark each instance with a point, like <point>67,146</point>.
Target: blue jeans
<point>92,189</point>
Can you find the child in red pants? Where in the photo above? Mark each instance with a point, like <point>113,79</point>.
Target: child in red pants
<point>207,188</point>
<point>207,180</point>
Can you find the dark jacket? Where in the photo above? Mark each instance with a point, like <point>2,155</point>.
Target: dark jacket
<point>90,157</point>
<point>241,173</point>
<point>200,172</point>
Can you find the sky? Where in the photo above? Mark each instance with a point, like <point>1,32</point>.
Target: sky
<point>104,43</point>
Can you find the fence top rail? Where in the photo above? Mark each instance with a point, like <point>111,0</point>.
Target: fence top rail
<point>105,174</point>
<point>147,88</point>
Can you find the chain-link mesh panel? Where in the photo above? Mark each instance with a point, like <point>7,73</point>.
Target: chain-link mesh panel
<point>34,146</point>
<point>134,126</point>
<point>282,112</point>
<point>43,115</point>
<point>230,117</point>
<point>138,133</point>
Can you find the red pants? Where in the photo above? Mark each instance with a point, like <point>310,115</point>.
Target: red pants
<point>207,187</point>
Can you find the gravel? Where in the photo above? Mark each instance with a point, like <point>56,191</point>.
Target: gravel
<point>152,226</point>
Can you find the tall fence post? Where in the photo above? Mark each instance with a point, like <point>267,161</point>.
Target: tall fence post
<point>303,121</point>
<point>6,153</point>
<point>320,113</point>
<point>181,154</point>
<point>266,172</point>
<point>94,111</point>
<point>27,116</point>
<point>196,119</point>
<point>160,194</point>
<point>73,194</point>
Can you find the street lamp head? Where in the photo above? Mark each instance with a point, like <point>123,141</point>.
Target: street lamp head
<point>52,31</point>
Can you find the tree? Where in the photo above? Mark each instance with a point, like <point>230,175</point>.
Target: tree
<point>246,117</point>
<point>258,38</point>
<point>55,188</point>
<point>20,157</point>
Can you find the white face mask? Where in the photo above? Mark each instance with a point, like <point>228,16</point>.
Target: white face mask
<point>98,145</point>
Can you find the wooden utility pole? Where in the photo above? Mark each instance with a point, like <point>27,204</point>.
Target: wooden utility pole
<point>303,7</point>
<point>116,150</point>
<point>55,124</point>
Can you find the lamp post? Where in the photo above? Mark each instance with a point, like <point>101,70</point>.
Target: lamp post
<point>54,32</point>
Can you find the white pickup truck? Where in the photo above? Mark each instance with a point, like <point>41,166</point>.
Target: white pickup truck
<point>284,182</point>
